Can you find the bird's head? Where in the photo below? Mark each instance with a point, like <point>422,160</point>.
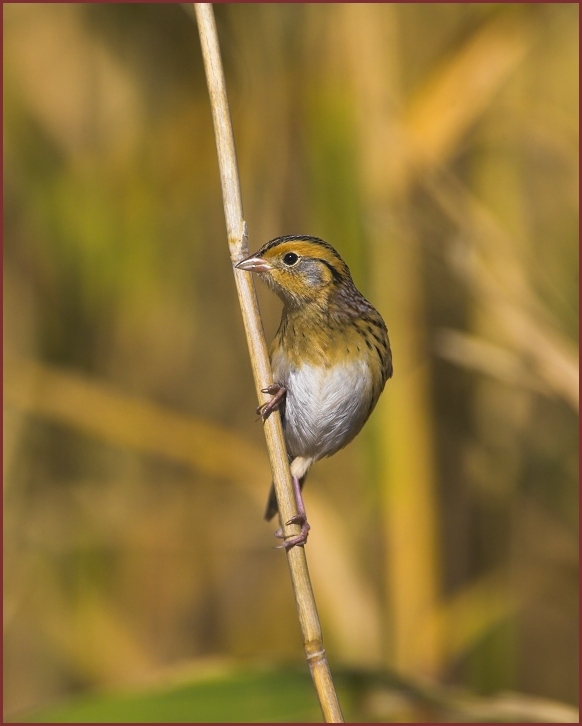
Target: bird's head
<point>299,268</point>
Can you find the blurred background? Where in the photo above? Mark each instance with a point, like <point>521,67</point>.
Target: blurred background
<point>436,147</point>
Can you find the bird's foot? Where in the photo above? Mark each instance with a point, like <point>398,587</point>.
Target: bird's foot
<point>278,392</point>
<point>299,539</point>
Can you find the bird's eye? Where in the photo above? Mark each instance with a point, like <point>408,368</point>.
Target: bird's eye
<point>290,259</point>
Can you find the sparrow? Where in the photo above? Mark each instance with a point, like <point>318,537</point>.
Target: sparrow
<point>330,357</point>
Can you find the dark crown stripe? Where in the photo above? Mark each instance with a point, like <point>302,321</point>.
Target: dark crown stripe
<point>300,238</point>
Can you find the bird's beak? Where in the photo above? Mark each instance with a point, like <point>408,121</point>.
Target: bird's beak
<point>254,264</point>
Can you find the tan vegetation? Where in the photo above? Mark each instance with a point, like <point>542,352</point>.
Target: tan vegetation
<point>436,146</point>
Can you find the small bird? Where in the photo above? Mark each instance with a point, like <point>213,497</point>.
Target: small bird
<point>330,357</point>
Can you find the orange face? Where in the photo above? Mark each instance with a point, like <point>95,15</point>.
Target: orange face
<point>299,269</point>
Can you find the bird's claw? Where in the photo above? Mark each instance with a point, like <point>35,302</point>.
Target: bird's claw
<point>272,389</point>
<point>298,540</point>
<point>266,409</point>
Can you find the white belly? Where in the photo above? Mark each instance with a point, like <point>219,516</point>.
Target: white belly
<point>324,407</point>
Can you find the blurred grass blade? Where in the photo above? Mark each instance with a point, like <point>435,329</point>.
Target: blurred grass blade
<point>98,410</point>
<point>459,92</point>
<point>468,616</point>
<point>405,451</point>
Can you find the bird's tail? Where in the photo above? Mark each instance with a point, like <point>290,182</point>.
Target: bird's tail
<point>272,507</point>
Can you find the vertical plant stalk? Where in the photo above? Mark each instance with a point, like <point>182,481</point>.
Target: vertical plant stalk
<point>237,242</point>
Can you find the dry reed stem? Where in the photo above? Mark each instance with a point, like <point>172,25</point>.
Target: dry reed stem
<point>237,241</point>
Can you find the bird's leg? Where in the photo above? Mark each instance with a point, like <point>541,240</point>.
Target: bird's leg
<point>278,392</point>
<point>299,518</point>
